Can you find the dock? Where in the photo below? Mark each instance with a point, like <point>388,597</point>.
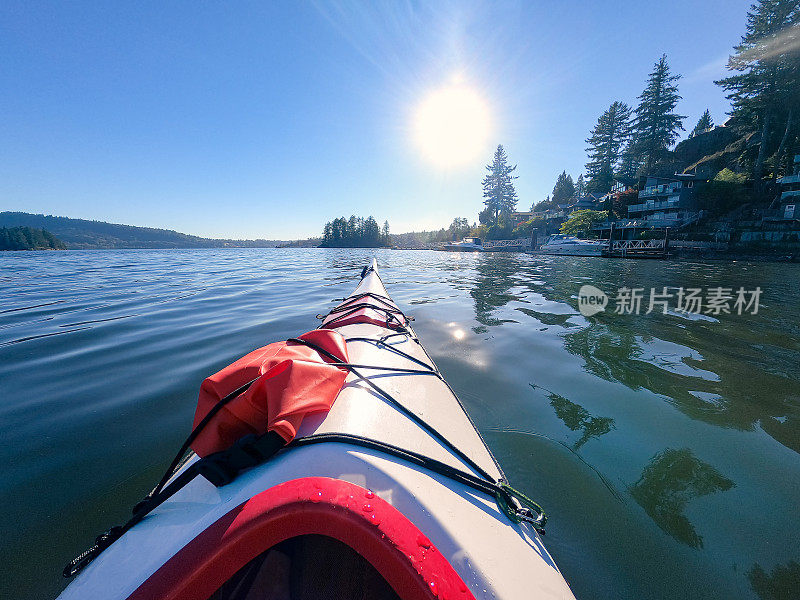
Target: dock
<point>637,249</point>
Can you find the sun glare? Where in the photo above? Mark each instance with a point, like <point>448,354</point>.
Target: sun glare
<point>452,126</point>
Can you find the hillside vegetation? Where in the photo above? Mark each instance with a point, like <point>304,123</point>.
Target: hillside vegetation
<point>28,238</point>
<point>84,234</point>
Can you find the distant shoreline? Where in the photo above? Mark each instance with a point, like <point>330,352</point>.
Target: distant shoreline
<point>83,234</point>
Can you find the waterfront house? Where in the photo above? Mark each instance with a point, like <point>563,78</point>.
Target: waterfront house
<point>664,202</point>
<point>585,202</point>
<point>667,201</point>
<point>522,216</point>
<point>790,192</point>
<point>623,184</point>
<point>620,185</point>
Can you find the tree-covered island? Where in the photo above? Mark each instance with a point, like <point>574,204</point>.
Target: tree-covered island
<point>28,238</point>
<point>355,232</point>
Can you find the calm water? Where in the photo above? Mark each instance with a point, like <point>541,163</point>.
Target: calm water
<point>664,448</point>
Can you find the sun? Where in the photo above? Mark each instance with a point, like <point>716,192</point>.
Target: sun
<point>452,126</point>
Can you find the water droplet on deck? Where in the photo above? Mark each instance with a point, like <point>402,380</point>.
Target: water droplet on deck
<point>423,541</point>
<point>367,507</point>
<point>370,494</point>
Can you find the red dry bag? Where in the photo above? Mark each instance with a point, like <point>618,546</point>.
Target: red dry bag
<point>293,380</point>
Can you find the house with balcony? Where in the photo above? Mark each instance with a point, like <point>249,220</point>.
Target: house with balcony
<point>620,185</point>
<point>623,184</point>
<point>667,201</point>
<point>663,202</point>
<point>790,192</point>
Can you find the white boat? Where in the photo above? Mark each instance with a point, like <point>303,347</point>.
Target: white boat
<point>391,494</point>
<point>569,245</point>
<point>468,244</point>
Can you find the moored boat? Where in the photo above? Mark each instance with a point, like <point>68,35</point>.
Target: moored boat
<point>569,245</point>
<point>361,476</point>
<point>468,244</point>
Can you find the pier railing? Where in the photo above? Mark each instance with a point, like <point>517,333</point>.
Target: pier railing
<point>641,248</point>
<point>517,244</point>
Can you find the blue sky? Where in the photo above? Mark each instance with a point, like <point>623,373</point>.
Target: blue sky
<point>266,119</point>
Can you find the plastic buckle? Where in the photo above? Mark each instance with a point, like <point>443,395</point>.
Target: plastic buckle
<point>215,470</point>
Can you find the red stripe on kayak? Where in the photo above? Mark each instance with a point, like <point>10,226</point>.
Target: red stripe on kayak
<point>375,529</point>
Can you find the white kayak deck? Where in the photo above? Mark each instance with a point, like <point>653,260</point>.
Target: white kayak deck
<point>494,557</point>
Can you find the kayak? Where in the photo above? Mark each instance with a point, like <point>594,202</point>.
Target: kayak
<point>387,491</point>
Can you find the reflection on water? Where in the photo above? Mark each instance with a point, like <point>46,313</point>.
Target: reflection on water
<point>578,418</point>
<point>783,583</point>
<point>668,483</point>
<point>490,292</point>
<point>709,386</point>
<point>625,427</point>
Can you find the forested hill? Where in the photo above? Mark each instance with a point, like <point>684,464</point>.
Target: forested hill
<point>28,238</point>
<point>83,234</point>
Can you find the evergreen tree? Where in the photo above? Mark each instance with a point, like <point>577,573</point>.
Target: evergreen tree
<point>459,228</point>
<point>499,194</point>
<point>703,124</point>
<point>630,163</point>
<point>385,233</point>
<point>542,205</point>
<point>765,91</point>
<point>606,141</point>
<point>370,233</point>
<point>564,189</point>
<point>580,186</point>
<point>655,124</point>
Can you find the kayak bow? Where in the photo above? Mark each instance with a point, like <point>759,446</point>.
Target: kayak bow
<point>392,493</point>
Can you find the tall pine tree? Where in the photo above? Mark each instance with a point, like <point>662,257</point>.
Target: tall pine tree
<point>580,186</point>
<point>385,233</point>
<point>704,123</point>
<point>765,91</point>
<point>655,124</point>
<point>605,146</point>
<point>564,189</point>
<point>499,194</point>
<point>630,163</point>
